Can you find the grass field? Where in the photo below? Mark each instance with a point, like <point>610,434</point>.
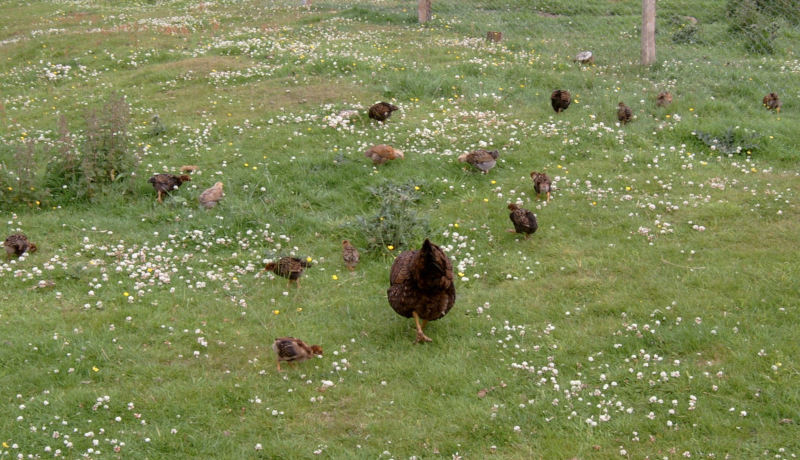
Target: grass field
<point>654,314</point>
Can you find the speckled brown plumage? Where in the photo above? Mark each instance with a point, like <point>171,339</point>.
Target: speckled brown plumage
<point>288,267</point>
<point>541,183</point>
<point>560,100</point>
<point>18,244</point>
<point>482,159</point>
<point>772,102</point>
<point>166,183</point>
<point>382,111</point>
<point>350,255</point>
<point>380,154</point>
<point>624,113</point>
<point>421,286</point>
<point>293,350</point>
<point>524,221</point>
<point>664,99</point>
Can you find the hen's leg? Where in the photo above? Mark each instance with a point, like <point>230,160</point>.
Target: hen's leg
<point>421,337</point>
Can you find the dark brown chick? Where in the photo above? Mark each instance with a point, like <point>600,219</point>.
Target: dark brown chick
<point>482,159</point>
<point>560,100</point>
<point>166,183</point>
<point>524,221</point>
<point>664,99</point>
<point>772,102</point>
<point>211,196</point>
<point>421,286</point>
<point>382,111</point>
<point>380,154</point>
<point>18,244</point>
<point>289,267</point>
<point>293,350</point>
<point>624,113</point>
<point>541,183</point>
<point>350,255</point>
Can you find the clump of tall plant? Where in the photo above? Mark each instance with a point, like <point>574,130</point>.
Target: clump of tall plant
<point>18,178</point>
<point>396,223</point>
<point>85,166</point>
<point>758,21</point>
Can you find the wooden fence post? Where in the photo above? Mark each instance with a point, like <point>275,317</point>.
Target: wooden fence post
<point>648,32</point>
<point>424,10</point>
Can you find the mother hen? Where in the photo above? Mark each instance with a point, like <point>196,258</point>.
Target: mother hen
<point>422,286</point>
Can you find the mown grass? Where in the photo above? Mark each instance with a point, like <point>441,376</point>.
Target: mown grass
<point>653,314</point>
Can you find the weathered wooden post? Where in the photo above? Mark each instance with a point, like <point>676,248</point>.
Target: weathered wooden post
<point>648,32</point>
<point>424,10</point>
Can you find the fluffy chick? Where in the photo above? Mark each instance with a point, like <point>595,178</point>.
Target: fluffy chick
<point>289,267</point>
<point>624,113</point>
<point>380,154</point>
<point>664,99</point>
<point>482,159</point>
<point>541,183</point>
<point>18,244</point>
<point>350,255</point>
<point>772,102</point>
<point>382,111</point>
<point>293,350</point>
<point>211,196</point>
<point>166,183</point>
<point>524,221</point>
<point>560,100</point>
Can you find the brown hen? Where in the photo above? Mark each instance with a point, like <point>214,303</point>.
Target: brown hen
<point>289,267</point>
<point>350,255</point>
<point>560,100</point>
<point>18,244</point>
<point>524,221</point>
<point>211,196</point>
<point>541,183</point>
<point>624,113</point>
<point>421,286</point>
<point>382,111</point>
<point>482,159</point>
<point>166,183</point>
<point>293,350</point>
<point>380,154</point>
<point>772,102</point>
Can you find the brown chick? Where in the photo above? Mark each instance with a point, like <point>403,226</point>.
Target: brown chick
<point>289,267</point>
<point>624,113</point>
<point>18,244</point>
<point>560,100</point>
<point>664,99</point>
<point>350,255</point>
<point>382,153</point>
<point>524,221</point>
<point>166,183</point>
<point>541,183</point>
<point>211,196</point>
<point>772,102</point>
<point>421,286</point>
<point>482,159</point>
<point>293,350</point>
<point>382,111</point>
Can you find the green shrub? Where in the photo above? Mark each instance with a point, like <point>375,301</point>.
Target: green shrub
<point>396,223</point>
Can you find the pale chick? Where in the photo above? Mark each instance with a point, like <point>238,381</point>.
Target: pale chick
<point>380,154</point>
<point>211,196</point>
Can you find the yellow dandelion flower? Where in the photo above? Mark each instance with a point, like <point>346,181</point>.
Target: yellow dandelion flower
<point>255,167</point>
<point>335,277</point>
<point>125,294</point>
<point>308,259</point>
<point>275,312</point>
<point>94,368</point>
<point>390,247</point>
<point>416,187</point>
<point>455,225</point>
<point>485,200</point>
<point>299,309</point>
<point>247,164</point>
<point>494,182</point>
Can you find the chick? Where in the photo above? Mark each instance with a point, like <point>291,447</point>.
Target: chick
<point>524,221</point>
<point>292,350</point>
<point>664,99</point>
<point>350,255</point>
<point>382,111</point>
<point>560,100</point>
<point>18,244</point>
<point>290,268</point>
<point>541,183</point>
<point>380,154</point>
<point>211,196</point>
<point>482,159</point>
<point>624,113</point>
<point>772,102</point>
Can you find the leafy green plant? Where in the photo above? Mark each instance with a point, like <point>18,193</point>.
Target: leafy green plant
<point>756,22</point>
<point>18,179</point>
<point>731,142</point>
<point>396,223</point>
